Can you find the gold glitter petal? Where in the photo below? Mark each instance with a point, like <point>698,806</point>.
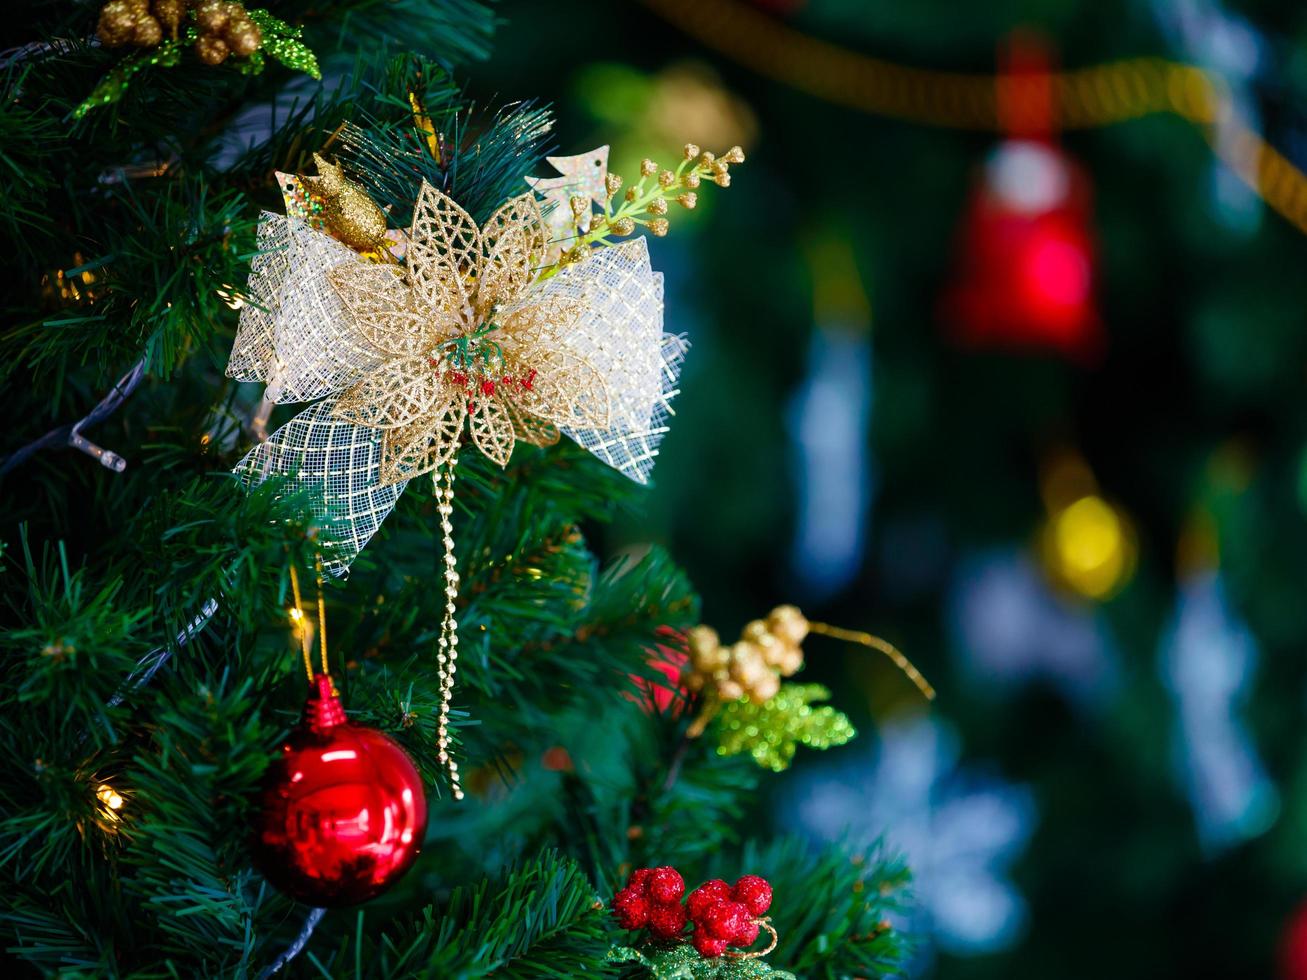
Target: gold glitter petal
<point>492,429</point>
<point>531,429</point>
<point>397,394</point>
<point>567,391</point>
<point>514,240</point>
<point>424,445</point>
<point>444,255</point>
<point>541,320</point>
<point>382,308</point>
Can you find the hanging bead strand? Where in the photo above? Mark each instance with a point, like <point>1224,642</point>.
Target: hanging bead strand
<point>447,643</point>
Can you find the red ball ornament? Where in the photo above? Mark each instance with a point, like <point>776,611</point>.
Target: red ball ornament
<point>1293,946</point>
<point>754,893</point>
<point>666,885</point>
<point>1027,257</point>
<point>707,895</point>
<point>669,659</point>
<point>667,921</point>
<point>343,811</point>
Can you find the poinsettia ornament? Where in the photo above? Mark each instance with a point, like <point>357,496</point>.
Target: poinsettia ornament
<point>465,334</point>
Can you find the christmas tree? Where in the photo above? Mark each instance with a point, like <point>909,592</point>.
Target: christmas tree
<point>177,559</point>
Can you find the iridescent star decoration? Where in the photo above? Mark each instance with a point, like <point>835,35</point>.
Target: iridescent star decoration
<point>582,176</point>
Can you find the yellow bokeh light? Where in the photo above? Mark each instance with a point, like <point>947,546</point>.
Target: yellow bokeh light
<point>1089,547</point>
<point>109,797</point>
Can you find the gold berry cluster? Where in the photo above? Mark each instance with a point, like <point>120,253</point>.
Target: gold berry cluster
<point>646,202</point>
<point>223,27</point>
<point>752,667</point>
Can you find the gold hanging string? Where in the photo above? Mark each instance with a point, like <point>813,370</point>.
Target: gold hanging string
<point>764,923</point>
<point>322,619</point>
<point>1084,98</point>
<point>297,617</point>
<point>447,643</point>
<point>301,627</point>
<point>876,643</point>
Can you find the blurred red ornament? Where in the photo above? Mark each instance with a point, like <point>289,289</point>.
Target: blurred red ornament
<point>343,809</point>
<point>1027,257</point>
<point>669,659</point>
<point>1293,946</point>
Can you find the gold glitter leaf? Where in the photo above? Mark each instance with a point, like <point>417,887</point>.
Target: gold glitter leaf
<point>492,430</point>
<point>383,309</point>
<point>531,429</point>
<point>541,320</point>
<point>444,256</point>
<point>398,393</point>
<point>424,445</point>
<point>567,391</point>
<point>514,241</point>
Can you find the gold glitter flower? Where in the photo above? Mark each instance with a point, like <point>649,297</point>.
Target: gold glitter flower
<point>465,332</point>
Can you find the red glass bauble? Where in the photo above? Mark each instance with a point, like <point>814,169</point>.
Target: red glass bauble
<point>669,659</point>
<point>1027,257</point>
<point>1293,946</point>
<point>343,812</point>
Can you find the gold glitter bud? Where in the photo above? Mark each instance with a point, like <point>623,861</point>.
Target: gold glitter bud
<point>708,158</point>
<point>691,179</point>
<point>580,205</point>
<point>765,688</point>
<point>720,167</point>
<point>788,624</point>
<point>734,155</point>
<point>658,206</point>
<point>612,184</point>
<point>666,178</point>
<point>691,151</point>
<point>648,168</point>
<point>688,200</point>
<point>623,226</point>
<point>722,180</point>
<point>658,226</point>
<point>631,194</point>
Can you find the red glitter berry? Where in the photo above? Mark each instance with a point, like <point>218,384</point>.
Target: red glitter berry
<point>631,910</point>
<point>667,920</point>
<point>746,936</point>
<point>707,895</point>
<point>639,880</point>
<point>754,893</point>
<point>666,885</point>
<point>707,946</point>
<point>724,920</point>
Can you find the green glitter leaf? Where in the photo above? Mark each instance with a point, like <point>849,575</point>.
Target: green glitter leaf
<point>282,42</point>
<point>682,962</point>
<point>114,84</point>
<point>771,732</point>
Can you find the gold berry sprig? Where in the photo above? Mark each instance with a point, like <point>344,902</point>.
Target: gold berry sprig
<point>751,669</point>
<point>647,201</point>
